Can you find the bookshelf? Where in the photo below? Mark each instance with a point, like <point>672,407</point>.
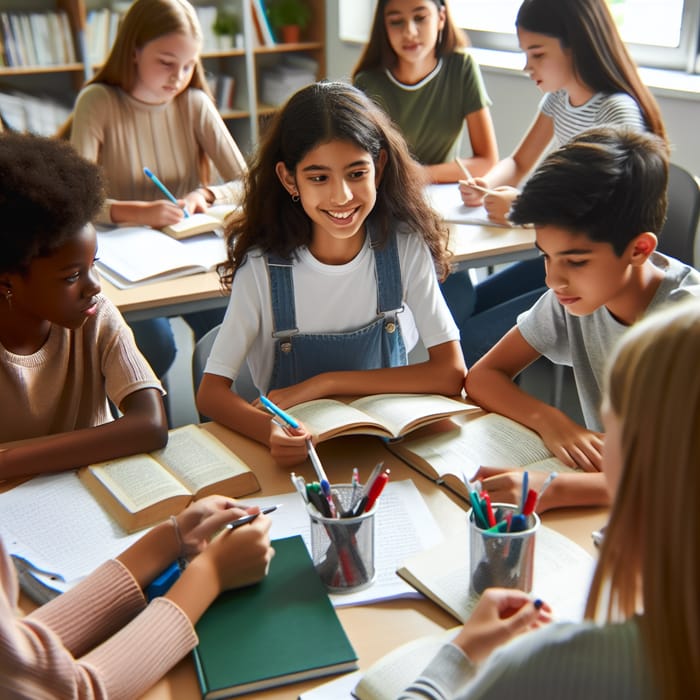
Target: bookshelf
<point>247,65</point>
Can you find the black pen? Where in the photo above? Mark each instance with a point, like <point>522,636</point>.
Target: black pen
<point>251,516</point>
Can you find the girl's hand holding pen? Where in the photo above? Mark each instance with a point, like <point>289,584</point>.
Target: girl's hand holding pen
<point>500,615</point>
<point>202,519</point>
<point>288,445</point>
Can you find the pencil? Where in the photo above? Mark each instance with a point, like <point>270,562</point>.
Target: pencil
<point>469,179</point>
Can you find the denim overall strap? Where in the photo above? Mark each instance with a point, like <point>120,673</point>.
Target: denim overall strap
<point>386,261</point>
<point>299,356</point>
<point>284,316</point>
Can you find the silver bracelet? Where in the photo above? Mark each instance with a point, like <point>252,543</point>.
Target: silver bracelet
<point>178,536</point>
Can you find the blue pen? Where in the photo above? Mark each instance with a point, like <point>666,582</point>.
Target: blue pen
<point>525,490</point>
<point>289,420</point>
<point>164,189</point>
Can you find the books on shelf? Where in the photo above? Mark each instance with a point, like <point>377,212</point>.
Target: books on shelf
<point>290,599</point>
<point>386,415</point>
<point>36,39</point>
<point>101,27</point>
<point>135,255</point>
<point>144,489</point>
<point>261,22</point>
<point>452,451</point>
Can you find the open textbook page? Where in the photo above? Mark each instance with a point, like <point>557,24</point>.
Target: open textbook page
<point>453,450</point>
<point>134,255</point>
<point>213,220</point>
<point>562,574</point>
<point>58,530</point>
<point>143,489</point>
<point>403,524</point>
<point>386,415</point>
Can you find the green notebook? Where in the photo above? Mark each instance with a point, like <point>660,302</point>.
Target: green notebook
<point>281,630</point>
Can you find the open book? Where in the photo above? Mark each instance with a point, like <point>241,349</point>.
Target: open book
<point>449,452</point>
<point>213,220</point>
<point>137,254</point>
<point>141,490</point>
<point>562,573</point>
<point>387,415</point>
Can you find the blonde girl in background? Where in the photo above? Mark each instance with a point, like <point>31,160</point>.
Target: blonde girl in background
<point>417,68</point>
<point>640,639</point>
<point>149,106</point>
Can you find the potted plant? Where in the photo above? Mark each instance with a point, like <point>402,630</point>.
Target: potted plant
<point>227,28</point>
<point>288,18</point>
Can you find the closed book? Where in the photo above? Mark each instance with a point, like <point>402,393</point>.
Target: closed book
<point>279,631</point>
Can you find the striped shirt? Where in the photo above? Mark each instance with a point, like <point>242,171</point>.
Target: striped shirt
<point>601,110</point>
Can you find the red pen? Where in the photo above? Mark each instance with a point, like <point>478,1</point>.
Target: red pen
<point>489,510</point>
<point>530,502</point>
<point>377,487</point>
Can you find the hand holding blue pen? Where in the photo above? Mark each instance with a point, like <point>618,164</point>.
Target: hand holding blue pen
<point>277,411</point>
<point>164,190</point>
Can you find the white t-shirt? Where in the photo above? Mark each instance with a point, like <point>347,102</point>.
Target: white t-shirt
<point>330,299</point>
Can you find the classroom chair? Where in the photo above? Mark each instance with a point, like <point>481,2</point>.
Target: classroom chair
<point>244,382</point>
<point>677,237</point>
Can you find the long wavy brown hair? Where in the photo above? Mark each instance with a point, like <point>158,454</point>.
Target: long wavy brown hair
<point>318,114</point>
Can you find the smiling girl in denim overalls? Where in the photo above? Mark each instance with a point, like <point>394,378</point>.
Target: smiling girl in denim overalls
<point>331,269</point>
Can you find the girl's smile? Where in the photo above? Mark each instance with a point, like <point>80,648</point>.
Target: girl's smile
<point>337,186</point>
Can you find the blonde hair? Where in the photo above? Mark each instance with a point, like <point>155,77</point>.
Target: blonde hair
<point>145,21</point>
<point>651,552</point>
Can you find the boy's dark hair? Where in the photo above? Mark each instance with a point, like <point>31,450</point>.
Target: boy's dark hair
<point>47,193</point>
<point>608,183</point>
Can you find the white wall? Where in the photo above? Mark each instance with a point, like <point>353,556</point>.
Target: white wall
<point>515,100</point>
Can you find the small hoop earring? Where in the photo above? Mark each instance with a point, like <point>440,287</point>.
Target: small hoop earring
<point>8,298</point>
<point>296,197</point>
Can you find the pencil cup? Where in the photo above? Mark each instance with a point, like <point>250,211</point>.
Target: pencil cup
<point>504,559</point>
<point>342,549</point>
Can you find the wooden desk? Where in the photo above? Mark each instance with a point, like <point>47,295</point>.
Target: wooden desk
<point>481,246</point>
<point>373,629</point>
<point>471,246</point>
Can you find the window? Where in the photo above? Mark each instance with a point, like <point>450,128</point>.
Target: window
<point>659,33</point>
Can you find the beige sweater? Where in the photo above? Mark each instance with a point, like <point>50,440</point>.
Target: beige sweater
<point>64,385</point>
<point>125,135</point>
<point>98,640</point>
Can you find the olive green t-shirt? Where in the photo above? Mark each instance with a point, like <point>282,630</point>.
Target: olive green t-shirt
<point>430,113</point>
